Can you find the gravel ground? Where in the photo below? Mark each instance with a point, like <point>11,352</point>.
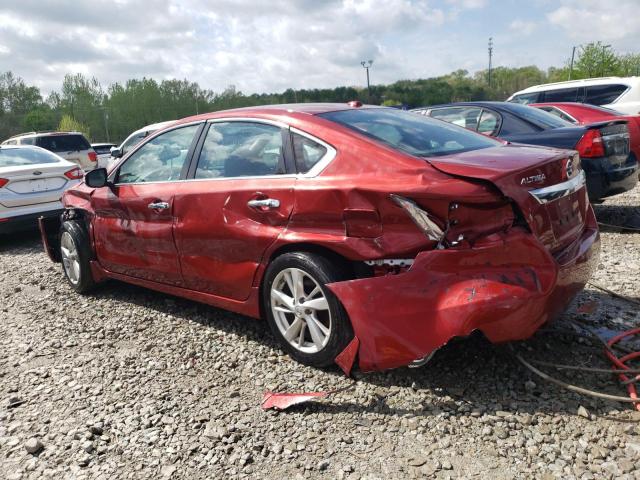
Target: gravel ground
<point>128,383</point>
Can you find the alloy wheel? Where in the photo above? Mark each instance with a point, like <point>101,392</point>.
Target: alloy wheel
<point>70,259</point>
<point>301,310</point>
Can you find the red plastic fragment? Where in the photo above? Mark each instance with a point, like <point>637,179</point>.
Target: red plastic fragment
<point>282,401</point>
<point>346,358</point>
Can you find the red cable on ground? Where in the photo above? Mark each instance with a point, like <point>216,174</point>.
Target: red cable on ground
<point>619,362</point>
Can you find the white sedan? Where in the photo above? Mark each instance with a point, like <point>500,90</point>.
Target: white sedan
<point>32,181</point>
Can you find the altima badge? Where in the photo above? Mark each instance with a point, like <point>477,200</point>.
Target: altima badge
<point>541,177</point>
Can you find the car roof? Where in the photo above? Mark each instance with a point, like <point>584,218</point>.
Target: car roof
<point>42,134</point>
<point>281,109</point>
<point>103,144</point>
<point>629,81</point>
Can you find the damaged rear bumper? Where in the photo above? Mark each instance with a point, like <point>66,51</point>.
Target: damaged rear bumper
<point>506,289</point>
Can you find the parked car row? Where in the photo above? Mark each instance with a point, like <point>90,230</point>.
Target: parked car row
<point>362,234</point>
<point>603,146</point>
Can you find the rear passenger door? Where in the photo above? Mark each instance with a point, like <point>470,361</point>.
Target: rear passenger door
<point>235,204</point>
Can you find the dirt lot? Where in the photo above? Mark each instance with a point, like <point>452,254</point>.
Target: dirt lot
<point>128,383</point>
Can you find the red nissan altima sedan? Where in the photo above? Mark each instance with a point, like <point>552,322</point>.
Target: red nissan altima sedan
<point>347,227</point>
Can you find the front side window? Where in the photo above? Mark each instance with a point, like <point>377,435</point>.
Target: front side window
<point>241,149</point>
<point>467,117</point>
<point>160,159</point>
<point>307,152</point>
<point>604,94</point>
<point>132,141</point>
<point>416,135</point>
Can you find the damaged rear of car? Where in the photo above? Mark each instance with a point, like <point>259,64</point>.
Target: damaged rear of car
<point>504,238</point>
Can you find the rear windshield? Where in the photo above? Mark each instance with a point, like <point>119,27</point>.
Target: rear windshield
<point>64,143</point>
<point>540,118</point>
<point>102,149</point>
<point>410,133</point>
<point>15,157</point>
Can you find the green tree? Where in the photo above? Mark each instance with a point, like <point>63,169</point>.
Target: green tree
<point>70,124</point>
<point>595,60</point>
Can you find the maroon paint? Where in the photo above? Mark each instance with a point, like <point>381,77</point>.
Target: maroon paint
<point>347,357</point>
<point>502,279</point>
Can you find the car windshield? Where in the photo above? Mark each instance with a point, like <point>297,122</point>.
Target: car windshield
<point>410,133</point>
<point>16,157</point>
<point>540,118</point>
<point>63,143</point>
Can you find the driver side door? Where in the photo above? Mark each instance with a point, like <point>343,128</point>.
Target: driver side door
<point>134,218</point>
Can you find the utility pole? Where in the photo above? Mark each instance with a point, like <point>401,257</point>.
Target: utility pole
<point>367,66</point>
<point>604,52</point>
<point>106,123</point>
<point>573,56</point>
<point>490,58</point>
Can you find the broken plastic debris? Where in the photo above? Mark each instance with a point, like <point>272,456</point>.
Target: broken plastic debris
<point>282,401</point>
<point>346,358</point>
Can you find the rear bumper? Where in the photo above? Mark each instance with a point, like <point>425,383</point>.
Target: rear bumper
<point>605,179</point>
<point>506,290</point>
<point>25,222</point>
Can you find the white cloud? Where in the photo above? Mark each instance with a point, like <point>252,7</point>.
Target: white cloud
<point>590,20</point>
<point>523,27</point>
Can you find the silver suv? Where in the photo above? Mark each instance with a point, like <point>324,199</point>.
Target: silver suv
<point>71,146</point>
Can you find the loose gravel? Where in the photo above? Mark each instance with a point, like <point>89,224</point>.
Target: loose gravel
<point>129,383</point>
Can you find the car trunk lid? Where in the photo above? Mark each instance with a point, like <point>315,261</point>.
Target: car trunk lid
<point>546,184</point>
<point>42,183</point>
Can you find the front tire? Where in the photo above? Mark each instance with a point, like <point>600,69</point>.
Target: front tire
<point>75,256</point>
<point>304,315</point>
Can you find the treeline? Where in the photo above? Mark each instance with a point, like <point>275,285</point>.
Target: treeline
<point>111,114</point>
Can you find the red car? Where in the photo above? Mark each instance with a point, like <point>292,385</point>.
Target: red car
<point>348,227</point>
<point>582,114</point>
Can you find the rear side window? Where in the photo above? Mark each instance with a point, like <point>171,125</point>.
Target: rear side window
<point>413,134</point>
<point>526,98</point>
<point>604,94</point>
<point>489,123</point>
<point>102,150</point>
<point>63,143</point>
<point>15,157</point>
<point>561,95</point>
<point>28,141</point>
<point>307,152</point>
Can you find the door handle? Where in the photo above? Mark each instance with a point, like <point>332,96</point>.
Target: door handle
<point>158,205</point>
<point>264,203</point>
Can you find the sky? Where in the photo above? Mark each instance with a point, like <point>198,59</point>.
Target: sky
<point>271,45</point>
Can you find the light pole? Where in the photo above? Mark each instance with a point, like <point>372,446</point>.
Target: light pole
<point>604,52</point>
<point>490,57</point>
<point>573,55</point>
<point>367,66</point>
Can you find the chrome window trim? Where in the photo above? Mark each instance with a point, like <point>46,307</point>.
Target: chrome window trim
<point>321,164</point>
<point>315,171</point>
<point>553,192</point>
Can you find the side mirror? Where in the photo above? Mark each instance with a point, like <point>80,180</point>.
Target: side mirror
<point>96,178</point>
<point>116,152</point>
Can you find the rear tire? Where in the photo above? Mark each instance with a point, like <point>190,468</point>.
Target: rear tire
<point>303,314</point>
<point>75,254</point>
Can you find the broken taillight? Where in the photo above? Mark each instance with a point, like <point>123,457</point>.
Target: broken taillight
<point>420,217</point>
<point>74,174</point>
<point>591,145</point>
